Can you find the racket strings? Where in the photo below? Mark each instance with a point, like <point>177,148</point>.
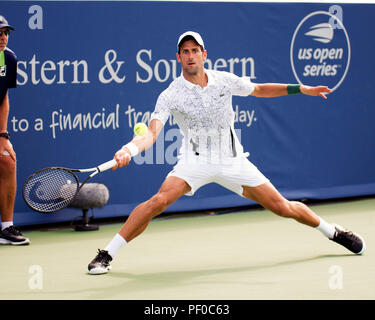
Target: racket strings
<point>50,190</point>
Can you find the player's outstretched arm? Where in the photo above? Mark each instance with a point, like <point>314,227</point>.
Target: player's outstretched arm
<point>270,90</point>
<point>138,144</point>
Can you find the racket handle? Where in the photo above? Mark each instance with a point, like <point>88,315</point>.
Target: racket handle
<point>107,165</point>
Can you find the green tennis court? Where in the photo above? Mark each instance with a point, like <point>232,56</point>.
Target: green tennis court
<point>243,255</point>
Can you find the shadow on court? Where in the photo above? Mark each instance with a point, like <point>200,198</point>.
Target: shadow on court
<point>176,278</point>
<point>133,282</point>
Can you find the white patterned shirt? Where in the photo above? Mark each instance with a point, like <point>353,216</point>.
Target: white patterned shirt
<point>205,116</point>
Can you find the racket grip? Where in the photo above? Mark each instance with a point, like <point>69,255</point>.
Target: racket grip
<point>107,165</point>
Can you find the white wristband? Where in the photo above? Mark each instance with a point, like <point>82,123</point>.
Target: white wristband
<point>132,148</point>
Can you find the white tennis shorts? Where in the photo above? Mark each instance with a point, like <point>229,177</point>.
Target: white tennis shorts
<point>231,174</point>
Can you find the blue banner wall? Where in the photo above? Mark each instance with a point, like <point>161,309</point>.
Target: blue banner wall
<point>88,71</point>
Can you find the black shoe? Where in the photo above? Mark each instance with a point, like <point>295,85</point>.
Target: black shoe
<point>100,264</point>
<point>349,240</point>
<point>13,235</point>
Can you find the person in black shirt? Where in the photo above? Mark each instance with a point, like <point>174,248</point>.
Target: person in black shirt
<point>9,234</point>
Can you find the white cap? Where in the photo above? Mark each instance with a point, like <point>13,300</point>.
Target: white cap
<point>193,34</point>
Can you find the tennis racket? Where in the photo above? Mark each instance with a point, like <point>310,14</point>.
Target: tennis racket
<point>52,189</point>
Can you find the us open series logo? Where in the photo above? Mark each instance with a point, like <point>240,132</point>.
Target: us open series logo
<point>320,50</point>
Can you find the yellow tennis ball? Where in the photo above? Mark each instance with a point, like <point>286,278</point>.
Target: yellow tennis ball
<point>140,129</point>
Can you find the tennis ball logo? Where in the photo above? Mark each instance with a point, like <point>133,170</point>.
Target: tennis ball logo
<point>140,129</point>
<point>320,50</point>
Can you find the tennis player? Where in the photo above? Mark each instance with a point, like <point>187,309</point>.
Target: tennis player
<point>201,102</point>
<point>9,234</point>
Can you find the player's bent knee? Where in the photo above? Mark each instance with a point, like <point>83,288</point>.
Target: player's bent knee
<point>159,203</point>
<point>7,165</point>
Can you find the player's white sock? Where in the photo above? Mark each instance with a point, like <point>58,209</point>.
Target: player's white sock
<point>326,228</point>
<point>116,243</point>
<point>6,224</point>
